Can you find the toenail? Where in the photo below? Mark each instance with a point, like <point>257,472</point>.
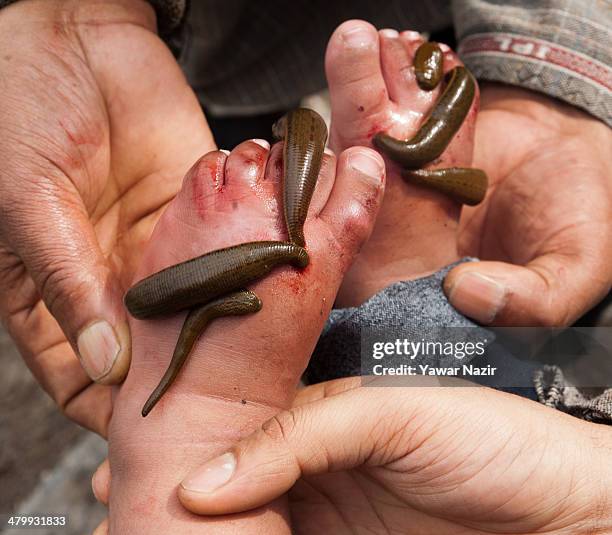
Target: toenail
<point>411,35</point>
<point>225,151</point>
<point>369,165</point>
<point>444,47</point>
<point>359,37</point>
<point>328,151</point>
<point>262,143</point>
<point>389,33</point>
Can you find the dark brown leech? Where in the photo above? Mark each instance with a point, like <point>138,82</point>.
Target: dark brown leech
<point>428,65</point>
<point>199,280</point>
<point>464,185</point>
<point>305,134</point>
<point>234,304</point>
<point>440,127</point>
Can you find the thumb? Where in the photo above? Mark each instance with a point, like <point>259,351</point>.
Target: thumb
<point>55,239</point>
<point>307,440</point>
<point>552,290</point>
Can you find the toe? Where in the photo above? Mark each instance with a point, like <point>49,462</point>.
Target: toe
<point>201,186</point>
<point>355,79</point>
<point>355,198</point>
<point>397,69</point>
<point>325,182</point>
<point>246,165</point>
<point>451,60</point>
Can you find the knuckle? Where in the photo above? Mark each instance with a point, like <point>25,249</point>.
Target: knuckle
<point>281,427</point>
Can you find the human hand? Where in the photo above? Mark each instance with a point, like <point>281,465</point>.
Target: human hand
<point>544,231</point>
<point>97,128</point>
<point>414,459</point>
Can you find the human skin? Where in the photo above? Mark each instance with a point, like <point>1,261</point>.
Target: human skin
<point>94,144</point>
<point>244,369</point>
<point>420,459</point>
<point>545,228</point>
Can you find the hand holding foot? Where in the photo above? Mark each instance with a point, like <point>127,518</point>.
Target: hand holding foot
<point>97,123</point>
<point>394,459</point>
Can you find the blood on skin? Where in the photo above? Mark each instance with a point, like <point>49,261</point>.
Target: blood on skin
<point>374,129</point>
<point>207,170</point>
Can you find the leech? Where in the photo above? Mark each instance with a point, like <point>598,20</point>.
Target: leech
<point>305,134</point>
<point>199,280</point>
<point>440,127</point>
<point>428,65</point>
<point>464,185</point>
<point>234,304</point>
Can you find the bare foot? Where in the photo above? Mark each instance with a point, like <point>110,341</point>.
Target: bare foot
<point>373,89</point>
<point>243,370</point>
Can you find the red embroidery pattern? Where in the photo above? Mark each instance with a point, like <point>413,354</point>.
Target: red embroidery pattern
<point>537,50</point>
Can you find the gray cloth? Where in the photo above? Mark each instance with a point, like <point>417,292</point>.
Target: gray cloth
<point>555,391</point>
<point>415,310</point>
<point>409,306</point>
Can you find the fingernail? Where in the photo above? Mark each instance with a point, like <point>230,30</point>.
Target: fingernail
<point>389,33</point>
<point>359,37</point>
<point>212,475</point>
<point>98,347</point>
<point>366,164</point>
<point>262,143</point>
<point>225,151</point>
<point>477,296</point>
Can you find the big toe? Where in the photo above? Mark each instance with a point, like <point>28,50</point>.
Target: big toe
<point>356,84</point>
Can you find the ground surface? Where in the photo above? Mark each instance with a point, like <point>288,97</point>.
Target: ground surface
<point>46,461</point>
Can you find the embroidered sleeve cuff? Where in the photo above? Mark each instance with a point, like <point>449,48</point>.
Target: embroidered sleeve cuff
<point>542,66</point>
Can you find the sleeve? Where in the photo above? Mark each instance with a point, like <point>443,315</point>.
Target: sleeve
<point>557,47</point>
<point>171,15</point>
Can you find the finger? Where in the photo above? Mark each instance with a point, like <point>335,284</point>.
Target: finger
<point>307,440</point>
<point>51,233</point>
<point>552,290</point>
<point>100,482</point>
<point>327,389</point>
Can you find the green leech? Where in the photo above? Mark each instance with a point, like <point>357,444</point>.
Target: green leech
<point>464,185</point>
<point>234,304</point>
<point>440,127</point>
<point>428,65</point>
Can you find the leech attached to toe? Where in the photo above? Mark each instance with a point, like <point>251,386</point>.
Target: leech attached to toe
<point>199,280</point>
<point>440,127</point>
<point>305,134</point>
<point>234,304</point>
<point>467,186</point>
<point>428,65</point>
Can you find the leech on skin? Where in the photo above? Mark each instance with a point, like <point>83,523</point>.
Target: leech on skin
<point>428,65</point>
<point>205,282</point>
<point>305,134</point>
<point>199,280</point>
<point>436,133</point>
<point>234,304</point>
<point>464,185</point>
<point>467,186</point>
